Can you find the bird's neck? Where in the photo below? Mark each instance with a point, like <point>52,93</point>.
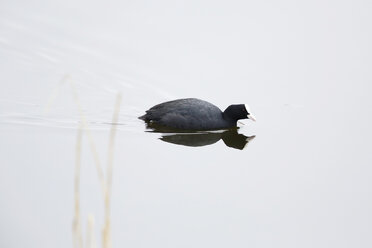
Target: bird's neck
<point>229,118</point>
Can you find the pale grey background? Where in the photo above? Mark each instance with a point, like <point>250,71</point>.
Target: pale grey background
<point>304,67</point>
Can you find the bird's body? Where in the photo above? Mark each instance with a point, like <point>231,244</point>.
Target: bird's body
<point>194,114</point>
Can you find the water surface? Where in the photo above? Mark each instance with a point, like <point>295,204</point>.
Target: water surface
<point>304,69</point>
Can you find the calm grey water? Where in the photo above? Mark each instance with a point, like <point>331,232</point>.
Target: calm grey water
<point>304,68</point>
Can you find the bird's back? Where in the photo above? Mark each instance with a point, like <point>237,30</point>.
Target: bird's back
<point>189,113</point>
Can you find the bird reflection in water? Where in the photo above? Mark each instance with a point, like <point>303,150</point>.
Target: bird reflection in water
<point>230,137</point>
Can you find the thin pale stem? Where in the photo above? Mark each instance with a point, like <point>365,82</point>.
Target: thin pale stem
<point>90,139</point>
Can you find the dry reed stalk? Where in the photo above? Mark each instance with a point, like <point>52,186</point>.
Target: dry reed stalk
<point>91,242</point>
<point>106,232</point>
<point>90,138</point>
<point>106,185</point>
<point>55,93</point>
<point>76,226</point>
<point>52,97</point>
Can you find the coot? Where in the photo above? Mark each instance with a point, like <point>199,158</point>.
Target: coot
<point>195,114</point>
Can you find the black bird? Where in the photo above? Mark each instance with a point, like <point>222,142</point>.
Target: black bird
<point>195,114</point>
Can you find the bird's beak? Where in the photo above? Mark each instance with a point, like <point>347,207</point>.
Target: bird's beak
<point>251,117</point>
